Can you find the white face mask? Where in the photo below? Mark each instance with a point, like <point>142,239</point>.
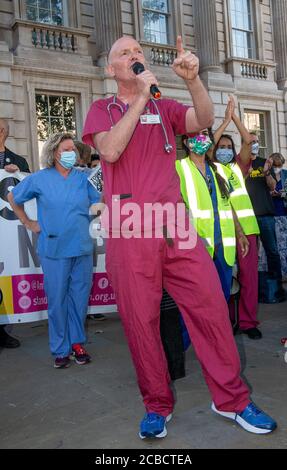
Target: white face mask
<point>255,148</point>
<point>277,170</point>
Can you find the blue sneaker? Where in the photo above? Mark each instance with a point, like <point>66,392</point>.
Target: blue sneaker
<point>251,419</point>
<point>153,425</point>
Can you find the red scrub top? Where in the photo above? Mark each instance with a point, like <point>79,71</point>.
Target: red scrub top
<point>144,170</point>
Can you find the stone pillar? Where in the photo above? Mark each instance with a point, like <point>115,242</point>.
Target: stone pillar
<point>206,39</point>
<point>279,8</point>
<point>108,26</point>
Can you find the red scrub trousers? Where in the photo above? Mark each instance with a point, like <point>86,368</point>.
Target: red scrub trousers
<point>138,269</point>
<point>248,278</point>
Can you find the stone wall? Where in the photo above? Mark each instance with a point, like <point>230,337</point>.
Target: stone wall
<point>25,69</point>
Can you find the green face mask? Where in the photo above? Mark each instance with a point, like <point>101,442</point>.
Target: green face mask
<point>199,144</point>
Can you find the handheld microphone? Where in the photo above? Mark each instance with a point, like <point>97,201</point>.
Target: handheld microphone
<point>138,68</point>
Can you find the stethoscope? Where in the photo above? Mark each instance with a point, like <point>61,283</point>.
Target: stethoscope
<point>168,148</point>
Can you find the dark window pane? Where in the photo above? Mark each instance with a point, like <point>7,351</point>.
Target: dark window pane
<point>70,125</point>
<point>31,3</point>
<point>55,114</point>
<point>57,125</point>
<point>57,19</point>
<point>31,14</point>
<point>56,106</point>
<point>68,106</point>
<point>261,121</point>
<point>261,137</point>
<point>41,105</point>
<point>43,129</point>
<point>159,5</point>
<point>45,11</point>
<point>57,12</point>
<point>44,16</point>
<point>57,6</point>
<point>45,4</point>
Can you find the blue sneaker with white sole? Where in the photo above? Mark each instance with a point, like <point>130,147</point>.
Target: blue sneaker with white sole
<point>154,425</point>
<point>251,419</point>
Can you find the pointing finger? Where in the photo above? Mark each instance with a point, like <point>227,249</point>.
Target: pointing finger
<point>179,46</point>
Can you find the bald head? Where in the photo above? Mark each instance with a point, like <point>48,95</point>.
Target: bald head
<point>122,44</point>
<point>123,54</point>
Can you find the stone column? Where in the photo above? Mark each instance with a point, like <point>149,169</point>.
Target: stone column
<point>108,21</point>
<point>206,39</point>
<point>279,8</point>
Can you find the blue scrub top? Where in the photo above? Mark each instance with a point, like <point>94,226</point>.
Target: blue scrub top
<point>213,195</point>
<point>63,211</point>
<point>279,202</point>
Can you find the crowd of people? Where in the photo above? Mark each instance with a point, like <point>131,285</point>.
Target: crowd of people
<point>169,294</point>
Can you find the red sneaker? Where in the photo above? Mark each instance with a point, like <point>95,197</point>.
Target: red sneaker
<point>80,355</point>
<point>62,362</point>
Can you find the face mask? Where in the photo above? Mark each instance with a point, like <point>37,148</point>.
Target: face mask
<point>277,170</point>
<point>68,159</point>
<point>224,156</point>
<point>199,144</point>
<point>255,148</point>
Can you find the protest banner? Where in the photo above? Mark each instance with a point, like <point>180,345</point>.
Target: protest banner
<point>22,295</point>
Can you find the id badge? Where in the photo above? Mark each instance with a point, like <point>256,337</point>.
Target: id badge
<point>150,119</point>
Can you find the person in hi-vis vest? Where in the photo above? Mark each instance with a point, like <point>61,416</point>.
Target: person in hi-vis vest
<point>225,153</point>
<point>206,189</point>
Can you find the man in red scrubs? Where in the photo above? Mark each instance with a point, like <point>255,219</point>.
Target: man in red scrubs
<point>133,134</point>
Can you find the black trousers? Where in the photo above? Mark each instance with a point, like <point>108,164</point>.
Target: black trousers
<point>171,337</point>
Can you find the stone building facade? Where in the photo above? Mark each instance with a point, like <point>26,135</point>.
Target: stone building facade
<point>53,55</point>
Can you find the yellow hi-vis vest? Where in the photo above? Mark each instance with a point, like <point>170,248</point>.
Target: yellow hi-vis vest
<point>197,198</point>
<point>241,202</point>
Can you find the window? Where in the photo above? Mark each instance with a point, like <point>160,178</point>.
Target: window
<point>156,17</point>
<point>45,11</point>
<point>256,121</point>
<point>242,32</point>
<point>54,114</point>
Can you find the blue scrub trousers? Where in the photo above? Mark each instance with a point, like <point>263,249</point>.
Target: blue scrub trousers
<point>67,283</point>
<point>269,241</point>
<point>224,271</point>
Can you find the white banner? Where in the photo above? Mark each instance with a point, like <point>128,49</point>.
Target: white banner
<point>22,295</point>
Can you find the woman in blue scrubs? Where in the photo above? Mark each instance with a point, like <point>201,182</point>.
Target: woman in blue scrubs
<point>65,248</point>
